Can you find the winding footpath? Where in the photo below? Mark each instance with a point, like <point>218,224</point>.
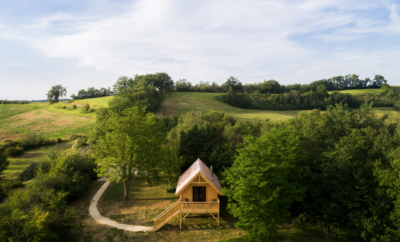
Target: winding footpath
<point>94,212</point>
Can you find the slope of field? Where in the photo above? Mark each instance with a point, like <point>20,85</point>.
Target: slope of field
<point>99,101</point>
<point>22,118</point>
<point>183,102</point>
<point>360,91</point>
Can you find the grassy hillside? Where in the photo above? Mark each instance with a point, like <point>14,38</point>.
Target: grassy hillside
<point>360,91</point>
<point>183,102</point>
<point>99,102</point>
<point>35,117</point>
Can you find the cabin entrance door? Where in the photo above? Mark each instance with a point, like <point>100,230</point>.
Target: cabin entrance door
<point>199,194</point>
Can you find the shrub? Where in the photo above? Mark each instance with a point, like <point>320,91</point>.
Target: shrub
<point>2,193</point>
<point>31,140</point>
<point>12,185</point>
<point>4,162</point>
<point>74,107</point>
<point>14,151</point>
<point>170,189</point>
<point>73,137</point>
<point>80,142</point>
<point>85,108</point>
<point>29,172</point>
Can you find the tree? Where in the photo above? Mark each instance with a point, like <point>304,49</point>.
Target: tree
<point>126,141</point>
<point>56,92</point>
<point>264,182</point>
<point>163,82</point>
<point>234,83</point>
<point>4,162</point>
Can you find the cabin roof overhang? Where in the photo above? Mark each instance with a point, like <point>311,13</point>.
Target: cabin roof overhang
<point>198,168</point>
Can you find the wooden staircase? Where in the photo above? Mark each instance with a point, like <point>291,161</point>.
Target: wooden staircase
<point>167,215</point>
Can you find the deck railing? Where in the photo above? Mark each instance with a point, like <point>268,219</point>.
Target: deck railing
<point>184,207</point>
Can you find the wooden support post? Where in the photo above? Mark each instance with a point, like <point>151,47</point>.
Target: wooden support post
<point>218,219</point>
<point>180,226</point>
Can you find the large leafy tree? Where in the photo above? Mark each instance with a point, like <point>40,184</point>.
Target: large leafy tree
<point>263,182</point>
<point>4,162</point>
<point>126,143</point>
<point>56,92</point>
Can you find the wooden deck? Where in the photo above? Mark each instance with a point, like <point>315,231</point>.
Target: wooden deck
<point>179,208</point>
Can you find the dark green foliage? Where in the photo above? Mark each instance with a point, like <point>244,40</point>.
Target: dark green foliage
<point>29,172</point>
<point>141,91</point>
<point>56,92</point>
<point>4,162</point>
<point>273,87</point>
<point>92,93</point>
<point>14,151</point>
<point>85,108</point>
<point>170,189</point>
<point>212,137</point>
<point>296,100</point>
<point>13,102</point>
<point>264,181</point>
<point>2,193</point>
<point>40,213</point>
<point>13,185</point>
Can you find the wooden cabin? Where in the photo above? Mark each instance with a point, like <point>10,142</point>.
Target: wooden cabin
<point>199,189</point>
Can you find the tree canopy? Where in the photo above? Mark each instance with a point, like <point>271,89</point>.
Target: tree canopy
<point>56,92</point>
<point>127,142</point>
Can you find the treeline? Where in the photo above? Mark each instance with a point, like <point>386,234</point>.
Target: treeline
<point>92,92</point>
<point>296,100</point>
<point>274,87</point>
<point>13,102</point>
<point>337,170</point>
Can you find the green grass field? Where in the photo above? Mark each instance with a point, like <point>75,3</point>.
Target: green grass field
<point>360,91</point>
<point>99,102</point>
<point>18,119</point>
<point>18,164</point>
<point>182,102</point>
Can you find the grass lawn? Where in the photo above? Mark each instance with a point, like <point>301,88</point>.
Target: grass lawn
<point>183,102</point>
<point>18,164</point>
<point>22,118</point>
<point>99,101</point>
<point>69,111</point>
<point>360,91</point>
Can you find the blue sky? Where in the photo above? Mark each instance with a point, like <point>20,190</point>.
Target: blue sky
<point>80,44</point>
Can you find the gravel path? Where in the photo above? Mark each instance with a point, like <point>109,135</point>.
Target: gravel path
<point>94,212</point>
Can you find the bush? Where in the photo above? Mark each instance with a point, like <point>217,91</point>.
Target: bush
<point>74,107</point>
<point>85,108</point>
<point>31,140</point>
<point>80,142</point>
<point>29,172</point>
<point>13,185</point>
<point>2,193</point>
<point>170,189</point>
<point>14,151</point>
<point>73,137</point>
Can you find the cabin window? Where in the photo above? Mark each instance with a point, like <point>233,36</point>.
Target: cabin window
<point>199,194</point>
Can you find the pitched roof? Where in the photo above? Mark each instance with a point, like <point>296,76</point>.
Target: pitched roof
<point>192,171</point>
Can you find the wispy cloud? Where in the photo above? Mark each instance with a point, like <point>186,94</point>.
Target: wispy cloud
<point>210,40</point>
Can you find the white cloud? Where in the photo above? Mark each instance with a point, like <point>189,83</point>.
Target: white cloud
<point>211,40</point>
